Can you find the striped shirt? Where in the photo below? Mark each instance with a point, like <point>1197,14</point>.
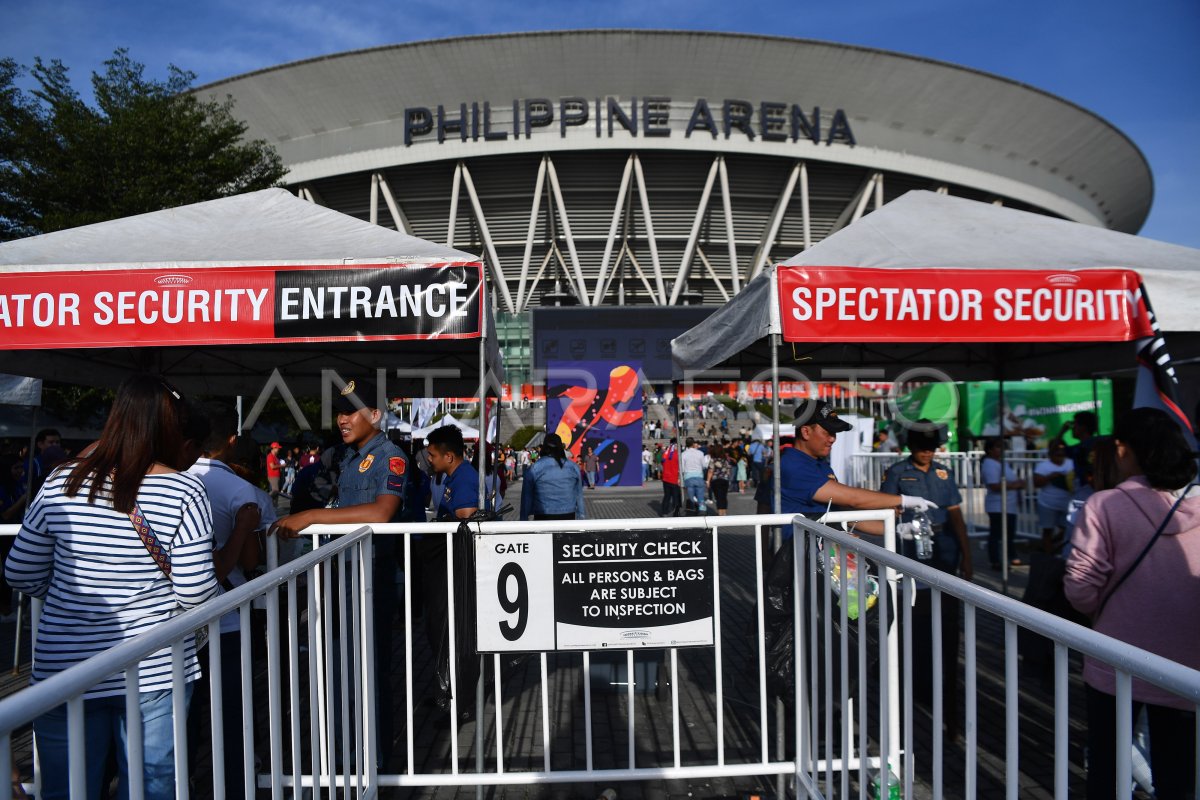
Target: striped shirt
<point>101,586</point>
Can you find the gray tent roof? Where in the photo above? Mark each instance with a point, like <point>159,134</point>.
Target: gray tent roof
<point>266,228</point>
<point>927,230</point>
<point>271,226</point>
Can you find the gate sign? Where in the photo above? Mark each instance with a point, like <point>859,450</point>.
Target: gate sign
<point>859,304</point>
<point>240,305</point>
<point>576,590</point>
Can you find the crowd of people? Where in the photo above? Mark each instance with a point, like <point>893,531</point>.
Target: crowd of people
<point>171,506</point>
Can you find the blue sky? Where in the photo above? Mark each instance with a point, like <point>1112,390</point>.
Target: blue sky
<point>1137,64</point>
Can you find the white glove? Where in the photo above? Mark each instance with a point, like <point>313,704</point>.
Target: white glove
<point>904,530</point>
<point>910,503</point>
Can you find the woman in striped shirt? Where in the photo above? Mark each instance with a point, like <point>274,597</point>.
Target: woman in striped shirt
<point>78,548</point>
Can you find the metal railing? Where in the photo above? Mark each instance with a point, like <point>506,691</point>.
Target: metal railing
<point>344,664</point>
<point>338,748</point>
<point>867,469</point>
<point>826,760</point>
<point>845,717</point>
<point>493,761</point>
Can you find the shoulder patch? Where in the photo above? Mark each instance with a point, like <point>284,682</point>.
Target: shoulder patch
<point>366,463</point>
<point>397,465</point>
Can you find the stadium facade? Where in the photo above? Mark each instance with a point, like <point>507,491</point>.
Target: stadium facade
<point>665,168</point>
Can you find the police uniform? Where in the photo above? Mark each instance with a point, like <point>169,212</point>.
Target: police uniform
<point>936,485</point>
<point>378,468</point>
<point>460,490</point>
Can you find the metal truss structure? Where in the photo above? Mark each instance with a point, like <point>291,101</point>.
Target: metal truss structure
<point>624,228</point>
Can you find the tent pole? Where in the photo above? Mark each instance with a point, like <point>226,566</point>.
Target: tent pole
<point>482,456</point>
<point>777,540</point>
<point>481,451</point>
<point>1004,554</point>
<point>775,428</point>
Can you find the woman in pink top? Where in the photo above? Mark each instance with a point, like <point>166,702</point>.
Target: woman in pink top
<point>1154,608</point>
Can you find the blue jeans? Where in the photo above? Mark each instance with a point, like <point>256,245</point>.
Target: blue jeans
<point>104,727</point>
<point>695,492</point>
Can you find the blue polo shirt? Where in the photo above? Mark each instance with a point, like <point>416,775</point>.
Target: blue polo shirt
<point>460,490</point>
<point>800,476</point>
<point>378,467</point>
<point>936,485</point>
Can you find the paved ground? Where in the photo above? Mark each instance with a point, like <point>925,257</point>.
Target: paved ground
<point>521,695</point>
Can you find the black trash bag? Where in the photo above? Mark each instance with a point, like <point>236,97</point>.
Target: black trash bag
<point>467,658</point>
<point>780,641</point>
<point>466,655</point>
<point>779,632</point>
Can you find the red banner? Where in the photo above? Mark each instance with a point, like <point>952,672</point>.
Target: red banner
<point>240,305</point>
<point>858,304</point>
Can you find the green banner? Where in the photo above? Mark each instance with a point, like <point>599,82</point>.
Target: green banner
<point>1035,410</point>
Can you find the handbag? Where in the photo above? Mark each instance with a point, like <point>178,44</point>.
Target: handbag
<point>162,558</point>
<point>1162,526</point>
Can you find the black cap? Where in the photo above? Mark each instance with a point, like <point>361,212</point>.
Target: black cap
<point>925,436</point>
<point>820,412</point>
<point>357,394</point>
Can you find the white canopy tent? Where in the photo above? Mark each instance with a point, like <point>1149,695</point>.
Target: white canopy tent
<point>469,434</point>
<point>937,236</point>
<point>928,231</point>
<point>260,237</point>
<point>253,295</point>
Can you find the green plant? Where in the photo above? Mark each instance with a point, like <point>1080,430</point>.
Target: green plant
<point>522,435</point>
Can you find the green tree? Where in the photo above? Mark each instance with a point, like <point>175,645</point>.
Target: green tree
<point>142,146</point>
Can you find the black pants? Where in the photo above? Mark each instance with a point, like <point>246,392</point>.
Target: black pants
<point>1172,748</point>
<point>995,520</point>
<point>720,492</point>
<point>199,712</point>
<point>672,499</point>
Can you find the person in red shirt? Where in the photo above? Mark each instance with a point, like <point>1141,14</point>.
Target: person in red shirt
<point>672,498</point>
<point>274,468</point>
<point>310,457</point>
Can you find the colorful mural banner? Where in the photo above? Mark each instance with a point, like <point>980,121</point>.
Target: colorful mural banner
<point>598,405</point>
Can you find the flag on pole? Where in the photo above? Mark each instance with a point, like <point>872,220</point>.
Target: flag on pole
<point>1157,384</point>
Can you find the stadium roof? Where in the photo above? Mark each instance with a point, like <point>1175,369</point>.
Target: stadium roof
<point>345,113</point>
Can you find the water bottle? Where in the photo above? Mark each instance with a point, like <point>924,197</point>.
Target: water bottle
<point>890,792</point>
<point>851,584</point>
<point>923,535</point>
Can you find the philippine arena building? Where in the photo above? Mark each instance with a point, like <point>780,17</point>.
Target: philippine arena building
<point>611,170</point>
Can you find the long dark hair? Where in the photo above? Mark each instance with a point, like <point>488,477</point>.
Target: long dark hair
<point>1158,444</point>
<point>557,452</point>
<point>143,427</point>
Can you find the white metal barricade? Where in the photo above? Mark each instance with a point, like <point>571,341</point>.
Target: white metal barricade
<point>825,760</point>
<point>346,671</point>
<point>320,728</point>
<point>867,470</point>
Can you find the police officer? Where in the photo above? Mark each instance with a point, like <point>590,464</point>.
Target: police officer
<point>920,476</point>
<point>457,499</point>
<point>370,488</point>
<point>372,471</point>
<point>808,484</point>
